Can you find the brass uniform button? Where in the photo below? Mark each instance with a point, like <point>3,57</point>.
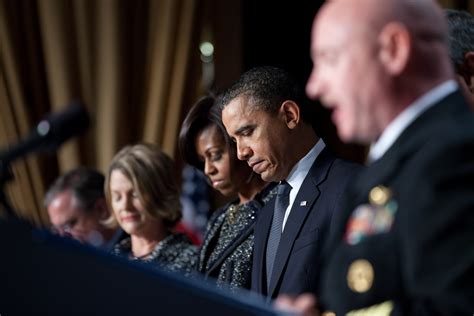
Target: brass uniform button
<point>380,195</point>
<point>360,276</point>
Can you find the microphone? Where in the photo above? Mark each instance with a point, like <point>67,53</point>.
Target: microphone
<point>50,133</point>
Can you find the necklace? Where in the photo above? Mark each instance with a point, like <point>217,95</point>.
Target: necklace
<point>232,213</point>
<point>142,256</point>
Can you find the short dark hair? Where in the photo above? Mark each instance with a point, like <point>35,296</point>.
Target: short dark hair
<point>202,115</point>
<point>86,185</point>
<point>266,88</point>
<point>461,35</point>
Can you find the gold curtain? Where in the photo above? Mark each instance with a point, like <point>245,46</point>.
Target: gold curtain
<point>128,61</point>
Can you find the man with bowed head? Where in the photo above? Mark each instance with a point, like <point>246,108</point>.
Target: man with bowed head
<point>76,207</point>
<point>266,115</point>
<point>404,245</point>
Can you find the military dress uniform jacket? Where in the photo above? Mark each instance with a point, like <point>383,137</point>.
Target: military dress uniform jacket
<point>405,240</point>
<point>297,262</point>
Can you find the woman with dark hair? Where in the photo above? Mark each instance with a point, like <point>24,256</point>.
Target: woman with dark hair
<point>144,198</point>
<point>226,252</point>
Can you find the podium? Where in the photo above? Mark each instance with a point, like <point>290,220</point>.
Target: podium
<point>43,274</point>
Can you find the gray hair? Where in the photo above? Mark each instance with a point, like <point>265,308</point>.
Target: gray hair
<point>461,35</point>
<point>86,185</point>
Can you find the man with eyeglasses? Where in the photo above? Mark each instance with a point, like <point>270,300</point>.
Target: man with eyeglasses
<point>76,206</point>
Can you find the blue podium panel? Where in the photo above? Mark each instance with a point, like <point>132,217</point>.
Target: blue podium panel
<point>42,274</point>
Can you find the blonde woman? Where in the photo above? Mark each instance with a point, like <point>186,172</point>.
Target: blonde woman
<point>143,195</point>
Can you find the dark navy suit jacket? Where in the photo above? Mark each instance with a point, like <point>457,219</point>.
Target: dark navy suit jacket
<point>297,263</point>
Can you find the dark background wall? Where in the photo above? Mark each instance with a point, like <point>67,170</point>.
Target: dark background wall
<point>279,34</point>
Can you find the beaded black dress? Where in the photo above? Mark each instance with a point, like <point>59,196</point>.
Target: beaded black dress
<point>175,253</point>
<point>226,252</point>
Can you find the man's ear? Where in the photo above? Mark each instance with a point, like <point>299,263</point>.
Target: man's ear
<point>394,47</point>
<point>291,113</point>
<point>102,209</point>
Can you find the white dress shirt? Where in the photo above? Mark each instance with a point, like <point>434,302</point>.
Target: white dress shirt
<point>407,116</point>
<point>298,174</point>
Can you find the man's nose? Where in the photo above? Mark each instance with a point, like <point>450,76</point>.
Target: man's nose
<point>243,152</point>
<point>313,86</point>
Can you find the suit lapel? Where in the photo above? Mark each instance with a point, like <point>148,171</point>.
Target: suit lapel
<point>210,241</point>
<point>409,141</point>
<point>264,221</point>
<point>383,170</point>
<point>236,242</point>
<point>303,204</point>
<point>377,173</point>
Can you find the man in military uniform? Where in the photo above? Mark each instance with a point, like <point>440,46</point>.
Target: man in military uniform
<point>404,243</point>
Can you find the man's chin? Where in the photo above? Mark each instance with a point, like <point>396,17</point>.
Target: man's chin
<point>268,176</point>
<point>349,137</point>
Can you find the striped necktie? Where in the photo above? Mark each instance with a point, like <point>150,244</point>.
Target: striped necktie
<point>281,203</point>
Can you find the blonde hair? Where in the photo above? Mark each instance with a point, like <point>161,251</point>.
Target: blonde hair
<point>151,172</point>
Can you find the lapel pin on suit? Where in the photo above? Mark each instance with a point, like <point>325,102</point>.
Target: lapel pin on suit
<point>303,203</point>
